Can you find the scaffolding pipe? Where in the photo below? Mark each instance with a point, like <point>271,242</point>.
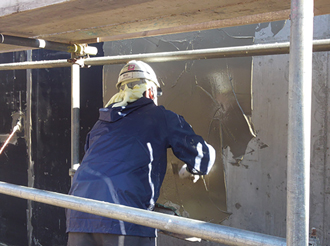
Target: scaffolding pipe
<point>50,45</point>
<point>75,114</point>
<point>176,224</point>
<point>240,51</point>
<point>299,127</point>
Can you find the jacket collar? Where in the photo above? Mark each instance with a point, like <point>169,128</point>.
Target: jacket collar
<point>114,114</point>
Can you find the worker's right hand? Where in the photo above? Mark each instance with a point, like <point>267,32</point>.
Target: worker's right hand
<point>184,173</point>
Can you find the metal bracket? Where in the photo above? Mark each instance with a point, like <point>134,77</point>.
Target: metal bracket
<point>82,50</point>
<point>80,53</point>
<point>80,60</point>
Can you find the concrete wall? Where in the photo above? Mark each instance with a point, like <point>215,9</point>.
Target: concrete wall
<point>256,189</point>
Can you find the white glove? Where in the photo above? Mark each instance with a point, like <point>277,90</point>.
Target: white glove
<point>184,173</point>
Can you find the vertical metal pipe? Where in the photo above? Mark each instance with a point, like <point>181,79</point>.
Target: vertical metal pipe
<point>300,85</point>
<point>75,108</point>
<point>28,138</point>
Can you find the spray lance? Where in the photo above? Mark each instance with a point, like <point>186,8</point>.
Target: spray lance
<point>16,128</point>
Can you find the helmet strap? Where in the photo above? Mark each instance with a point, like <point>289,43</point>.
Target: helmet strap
<point>150,94</point>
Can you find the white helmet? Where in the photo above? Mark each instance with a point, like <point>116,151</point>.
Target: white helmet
<point>136,70</point>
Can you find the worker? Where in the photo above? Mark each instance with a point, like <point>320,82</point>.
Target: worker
<point>125,159</point>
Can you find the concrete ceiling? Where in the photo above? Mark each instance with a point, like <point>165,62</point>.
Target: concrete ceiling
<point>91,21</point>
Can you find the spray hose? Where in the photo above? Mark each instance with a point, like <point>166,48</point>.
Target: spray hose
<point>16,128</point>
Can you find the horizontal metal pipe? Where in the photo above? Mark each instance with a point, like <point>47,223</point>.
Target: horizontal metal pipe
<point>239,51</point>
<point>35,64</point>
<point>50,45</point>
<point>179,225</point>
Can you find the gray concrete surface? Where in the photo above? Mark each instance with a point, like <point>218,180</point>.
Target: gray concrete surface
<point>256,189</point>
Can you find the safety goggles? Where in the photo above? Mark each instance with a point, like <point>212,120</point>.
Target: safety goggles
<point>139,82</point>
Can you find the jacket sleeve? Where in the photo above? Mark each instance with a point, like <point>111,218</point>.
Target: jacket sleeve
<point>189,147</point>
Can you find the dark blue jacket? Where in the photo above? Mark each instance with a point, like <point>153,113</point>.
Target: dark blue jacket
<point>125,162</point>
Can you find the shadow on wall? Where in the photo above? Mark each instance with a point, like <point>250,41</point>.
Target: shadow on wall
<point>214,96</point>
